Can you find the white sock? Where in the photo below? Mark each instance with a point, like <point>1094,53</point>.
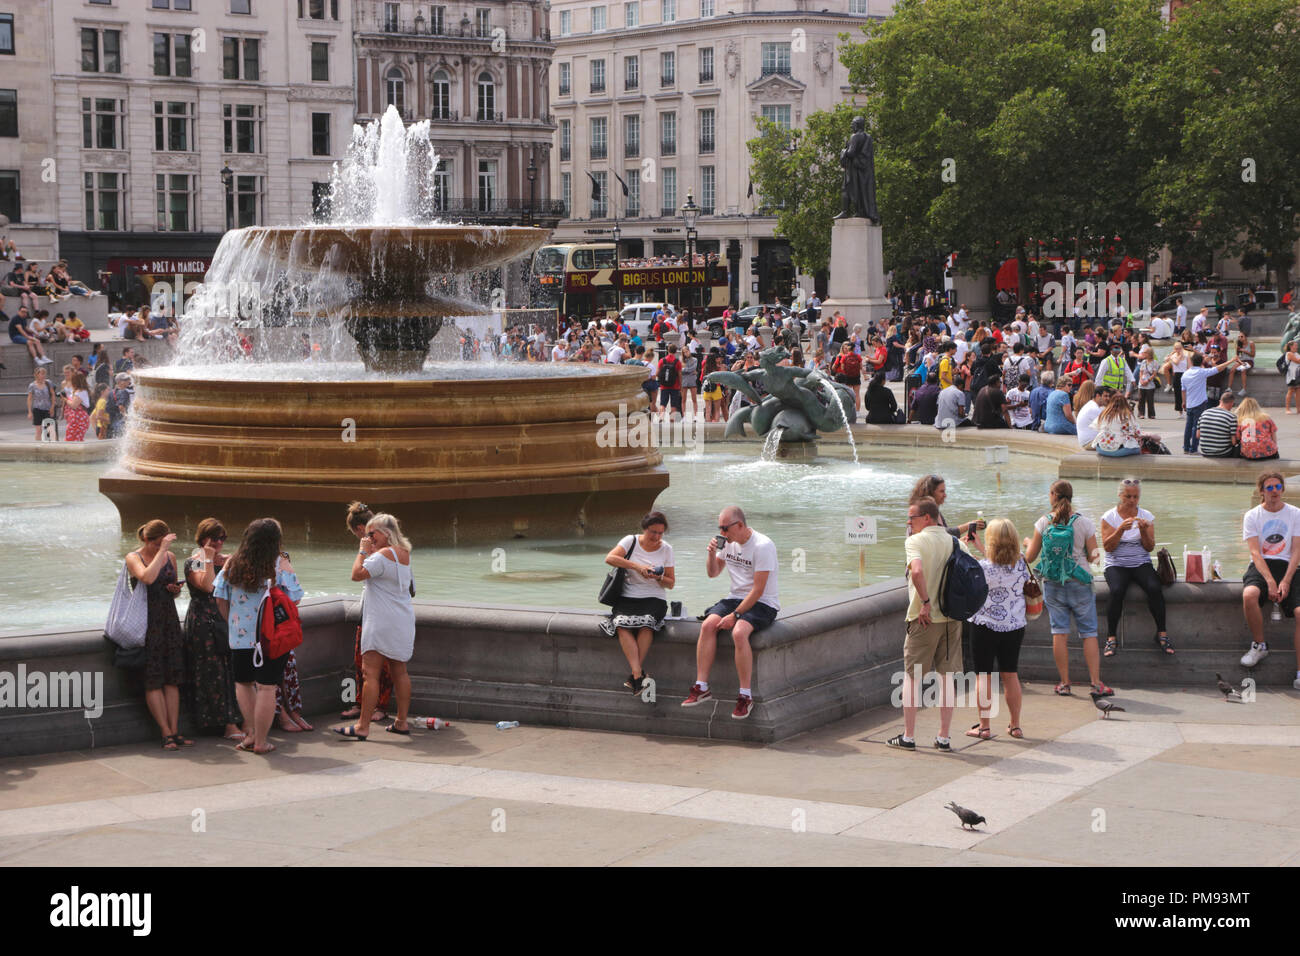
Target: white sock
<point>908,740</point>
<point>704,685</point>
<point>943,740</point>
<point>744,692</point>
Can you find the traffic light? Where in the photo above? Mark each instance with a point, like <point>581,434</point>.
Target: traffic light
<point>753,265</point>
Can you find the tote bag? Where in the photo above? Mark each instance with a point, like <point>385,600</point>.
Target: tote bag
<point>128,615</point>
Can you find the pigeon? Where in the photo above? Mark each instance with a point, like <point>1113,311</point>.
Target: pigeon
<point>1226,689</point>
<point>1105,705</point>
<point>968,817</point>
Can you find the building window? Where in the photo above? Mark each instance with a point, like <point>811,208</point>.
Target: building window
<point>104,201</point>
<point>102,123</point>
<point>566,74</point>
<point>706,122</point>
<point>395,90</point>
<point>706,65</point>
<point>632,14</point>
<point>320,134</point>
<point>175,194</point>
<point>441,96</point>
<point>598,76</point>
<point>244,201</point>
<point>7,35</point>
<point>631,135</point>
<point>171,4</point>
<point>631,72</point>
<point>566,191</point>
<point>93,42</point>
<point>11,200</point>
<point>320,62</point>
<point>173,127</point>
<point>244,7</point>
<point>8,112</point>
<point>487,184</point>
<point>321,201</point>
<point>633,177</point>
<point>566,23</point>
<point>669,177</point>
<point>251,58</point>
<point>780,115</point>
<point>858,8</point>
<point>315,9</point>
<point>566,140</point>
<point>442,189</point>
<point>599,136</point>
<point>669,9</point>
<point>776,59</point>
<point>667,68</point>
<point>482,23</point>
<point>708,190</point>
<point>171,54</point>
<point>437,20</point>
<point>243,127</point>
<point>667,134</point>
<point>391,11</point>
<point>600,206</point>
<point>487,98</point>
<point>706,8</point>
<point>597,19</point>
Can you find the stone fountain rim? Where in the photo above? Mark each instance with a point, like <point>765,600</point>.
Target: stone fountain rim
<point>600,371</point>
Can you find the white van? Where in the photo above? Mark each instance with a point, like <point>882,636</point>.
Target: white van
<point>640,316</point>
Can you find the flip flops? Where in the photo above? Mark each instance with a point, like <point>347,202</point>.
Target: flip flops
<point>350,732</point>
<point>983,733</point>
<point>392,729</point>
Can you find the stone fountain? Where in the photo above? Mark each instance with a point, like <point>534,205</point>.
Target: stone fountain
<point>459,451</point>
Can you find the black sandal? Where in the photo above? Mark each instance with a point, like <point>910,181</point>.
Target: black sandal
<point>1110,647</point>
<point>1165,643</point>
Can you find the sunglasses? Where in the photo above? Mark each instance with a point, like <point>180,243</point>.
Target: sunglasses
<point>1274,487</point>
<point>371,534</point>
<point>1132,481</point>
<point>724,527</point>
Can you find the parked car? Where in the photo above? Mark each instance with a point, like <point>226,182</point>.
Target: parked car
<point>1266,299</point>
<point>745,318</point>
<point>639,316</point>
<point>1167,307</point>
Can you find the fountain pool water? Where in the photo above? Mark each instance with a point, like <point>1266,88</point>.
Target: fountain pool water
<point>63,544</point>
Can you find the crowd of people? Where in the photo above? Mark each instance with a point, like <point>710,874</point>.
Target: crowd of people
<point>95,392</point>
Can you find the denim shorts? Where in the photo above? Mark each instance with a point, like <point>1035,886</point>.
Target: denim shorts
<point>1072,599</point>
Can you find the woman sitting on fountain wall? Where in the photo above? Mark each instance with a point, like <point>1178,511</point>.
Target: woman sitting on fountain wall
<point>239,589</point>
<point>387,620</point>
<point>153,566</point>
<point>359,516</point>
<point>210,687</point>
<point>882,407</point>
<point>639,613</point>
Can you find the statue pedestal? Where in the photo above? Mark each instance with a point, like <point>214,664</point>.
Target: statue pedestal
<point>857,281</point>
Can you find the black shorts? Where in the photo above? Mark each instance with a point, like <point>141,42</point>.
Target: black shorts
<point>995,650</point>
<point>1278,570</point>
<point>651,388</point>
<point>41,415</point>
<point>760,615</point>
<point>849,380</point>
<point>670,396</point>
<point>270,674</point>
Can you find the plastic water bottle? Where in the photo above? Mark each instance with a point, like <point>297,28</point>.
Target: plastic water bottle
<point>1277,612</point>
<point>430,723</point>
<point>506,724</point>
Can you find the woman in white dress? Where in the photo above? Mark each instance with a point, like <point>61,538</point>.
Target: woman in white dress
<point>387,621</point>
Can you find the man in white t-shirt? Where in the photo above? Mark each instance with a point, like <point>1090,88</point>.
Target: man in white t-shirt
<point>1199,322</point>
<point>1180,316</point>
<point>1161,328</point>
<point>618,352</point>
<point>1272,531</point>
<point>1018,404</point>
<point>752,604</point>
<point>1086,421</point>
<point>559,353</point>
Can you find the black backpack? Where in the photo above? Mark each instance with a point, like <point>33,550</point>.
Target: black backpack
<point>668,373</point>
<point>962,587</point>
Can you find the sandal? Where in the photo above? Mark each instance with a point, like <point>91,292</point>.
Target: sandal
<point>1110,647</point>
<point>182,741</point>
<point>266,750</point>
<point>1016,732</point>
<point>170,744</point>
<point>1165,644</point>
<point>983,733</point>
<point>350,731</point>
<point>1101,690</point>
<point>246,745</point>
<point>1063,690</point>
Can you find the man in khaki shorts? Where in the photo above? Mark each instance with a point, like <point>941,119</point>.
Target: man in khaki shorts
<point>933,642</point>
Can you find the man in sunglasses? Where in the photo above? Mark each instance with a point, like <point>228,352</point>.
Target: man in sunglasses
<point>1272,530</point>
<point>751,560</point>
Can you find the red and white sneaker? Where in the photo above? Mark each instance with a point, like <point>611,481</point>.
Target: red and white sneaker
<point>743,707</point>
<point>698,695</point>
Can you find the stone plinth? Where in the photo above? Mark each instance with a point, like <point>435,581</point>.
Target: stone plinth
<point>857,280</point>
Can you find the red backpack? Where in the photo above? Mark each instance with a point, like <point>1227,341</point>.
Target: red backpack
<point>279,629</point>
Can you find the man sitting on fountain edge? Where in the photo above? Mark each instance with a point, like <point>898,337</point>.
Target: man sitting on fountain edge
<point>751,560</point>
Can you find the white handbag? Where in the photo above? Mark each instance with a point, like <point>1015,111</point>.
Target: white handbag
<point>128,615</point>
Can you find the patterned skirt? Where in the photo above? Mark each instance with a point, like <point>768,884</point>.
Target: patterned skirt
<point>635,613</point>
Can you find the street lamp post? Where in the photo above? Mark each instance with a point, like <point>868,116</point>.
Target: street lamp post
<point>532,187</point>
<point>618,291</point>
<point>228,180</point>
<point>690,213</point>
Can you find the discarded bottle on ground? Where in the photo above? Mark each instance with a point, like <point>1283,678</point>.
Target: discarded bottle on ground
<point>506,724</point>
<point>430,723</point>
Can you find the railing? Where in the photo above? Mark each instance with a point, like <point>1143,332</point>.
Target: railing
<point>483,116</point>
<point>597,152</point>
<point>777,70</point>
<point>669,80</point>
<point>403,26</point>
<point>446,116</point>
<point>458,207</point>
<point>669,211</point>
<point>706,76</point>
<point>566,154</point>
<point>597,87</point>
<point>547,119</point>
<point>668,147</point>
<point>632,148</point>
<point>566,89</point>
<point>632,212</point>
<point>706,144</point>
<point>706,210</point>
<point>630,85</point>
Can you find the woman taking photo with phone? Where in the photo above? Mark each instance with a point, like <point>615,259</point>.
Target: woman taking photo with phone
<point>153,566</point>
<point>641,608</point>
<point>207,653</point>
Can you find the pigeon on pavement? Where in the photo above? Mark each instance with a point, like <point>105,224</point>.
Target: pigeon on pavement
<point>1105,705</point>
<point>968,817</point>
<point>1226,689</point>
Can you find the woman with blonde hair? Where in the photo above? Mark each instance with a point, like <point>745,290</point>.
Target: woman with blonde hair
<point>1256,431</point>
<point>998,628</point>
<point>1118,434</point>
<point>1176,363</point>
<point>358,516</point>
<point>1084,395</point>
<point>387,620</point>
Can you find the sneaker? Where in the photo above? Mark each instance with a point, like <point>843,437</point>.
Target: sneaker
<point>697,696</point>
<point>1101,690</point>
<point>744,705</point>
<point>1241,392</point>
<point>1253,656</point>
<point>901,743</point>
<point>940,745</point>
<point>1169,388</point>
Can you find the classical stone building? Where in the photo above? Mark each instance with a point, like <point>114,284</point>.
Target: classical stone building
<point>478,71</point>
<point>665,94</point>
<point>28,175</point>
<point>154,99</point>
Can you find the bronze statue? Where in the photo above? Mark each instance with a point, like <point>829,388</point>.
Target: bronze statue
<point>859,161</point>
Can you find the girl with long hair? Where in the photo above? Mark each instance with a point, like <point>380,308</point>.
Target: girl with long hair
<point>1118,434</point>
<point>153,566</point>
<point>1256,431</point>
<point>210,688</point>
<point>358,517</point>
<point>998,628</point>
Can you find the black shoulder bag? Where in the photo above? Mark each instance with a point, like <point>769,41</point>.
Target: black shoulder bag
<point>612,589</point>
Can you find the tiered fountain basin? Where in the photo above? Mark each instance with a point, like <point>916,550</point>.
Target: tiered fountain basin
<point>459,452</point>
